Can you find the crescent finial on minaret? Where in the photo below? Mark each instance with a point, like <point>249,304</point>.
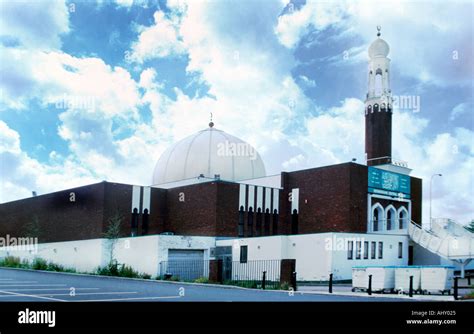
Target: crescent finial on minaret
<point>211,123</point>
<point>378,30</point>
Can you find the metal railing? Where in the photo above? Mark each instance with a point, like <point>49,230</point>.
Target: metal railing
<point>258,274</point>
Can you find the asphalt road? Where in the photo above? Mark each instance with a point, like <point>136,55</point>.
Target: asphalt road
<point>27,286</point>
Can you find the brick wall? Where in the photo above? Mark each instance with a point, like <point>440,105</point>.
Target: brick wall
<point>331,198</point>
<point>378,136</point>
<point>59,218</point>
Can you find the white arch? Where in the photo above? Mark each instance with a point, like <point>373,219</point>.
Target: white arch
<point>377,216</point>
<point>402,215</point>
<point>393,219</point>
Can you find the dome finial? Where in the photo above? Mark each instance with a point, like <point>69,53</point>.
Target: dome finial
<point>378,30</point>
<point>211,123</point>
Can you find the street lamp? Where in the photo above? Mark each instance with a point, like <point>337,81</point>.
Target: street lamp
<point>431,185</point>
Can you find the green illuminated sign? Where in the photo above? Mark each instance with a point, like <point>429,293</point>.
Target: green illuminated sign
<point>388,183</point>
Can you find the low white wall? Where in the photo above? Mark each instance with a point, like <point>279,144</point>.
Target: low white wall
<point>142,253</point>
<point>82,255</point>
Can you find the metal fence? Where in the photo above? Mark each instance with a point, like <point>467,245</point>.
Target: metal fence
<point>184,270</point>
<point>258,274</point>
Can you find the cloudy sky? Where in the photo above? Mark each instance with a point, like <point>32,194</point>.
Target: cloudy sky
<point>97,91</point>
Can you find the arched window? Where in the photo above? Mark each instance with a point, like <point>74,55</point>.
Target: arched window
<point>376,107</point>
<point>275,222</point>
<point>369,109</point>
<point>382,107</point>
<point>145,222</point>
<point>391,215</point>
<point>134,222</point>
<point>267,222</point>
<point>294,222</point>
<point>377,217</point>
<point>258,228</point>
<point>250,223</point>
<point>378,84</point>
<point>402,218</point>
<point>241,221</point>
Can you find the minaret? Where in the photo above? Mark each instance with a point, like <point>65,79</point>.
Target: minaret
<point>378,105</point>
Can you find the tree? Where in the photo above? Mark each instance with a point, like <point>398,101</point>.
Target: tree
<point>470,227</point>
<point>112,232</point>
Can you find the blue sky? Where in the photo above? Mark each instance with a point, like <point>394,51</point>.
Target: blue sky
<point>288,77</point>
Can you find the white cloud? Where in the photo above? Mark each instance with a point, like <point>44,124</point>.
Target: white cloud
<point>21,174</point>
<point>294,25</point>
<point>459,110</point>
<point>420,52</point>
<point>56,77</point>
<point>251,91</point>
<point>35,24</point>
<point>124,3</point>
<point>159,40</point>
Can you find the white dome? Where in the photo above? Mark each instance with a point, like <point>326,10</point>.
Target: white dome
<point>209,152</point>
<point>379,48</point>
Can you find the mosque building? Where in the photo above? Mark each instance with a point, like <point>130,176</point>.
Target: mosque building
<point>211,198</point>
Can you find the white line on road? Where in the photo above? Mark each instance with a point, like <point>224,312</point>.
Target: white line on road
<point>18,282</point>
<point>7,286</point>
<point>31,296</point>
<point>51,289</point>
<point>133,298</point>
<point>77,294</point>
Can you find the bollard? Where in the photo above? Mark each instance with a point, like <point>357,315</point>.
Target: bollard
<point>410,292</point>
<point>455,292</point>
<point>369,290</point>
<point>264,278</point>
<point>330,283</point>
<point>293,280</point>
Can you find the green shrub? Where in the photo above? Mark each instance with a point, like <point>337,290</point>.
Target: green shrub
<point>39,264</point>
<point>285,286</point>
<point>54,267</point>
<point>201,280</point>
<point>127,271</point>
<point>145,276</point>
<point>11,261</point>
<point>114,269</point>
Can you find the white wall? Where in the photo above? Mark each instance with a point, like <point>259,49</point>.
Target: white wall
<point>318,255</point>
<point>142,253</point>
<point>83,255</point>
<point>342,266</point>
<point>313,259</point>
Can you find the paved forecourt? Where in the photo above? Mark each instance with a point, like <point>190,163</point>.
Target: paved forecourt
<point>28,285</point>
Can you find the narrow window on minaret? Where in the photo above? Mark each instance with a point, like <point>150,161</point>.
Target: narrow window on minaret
<point>378,84</point>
